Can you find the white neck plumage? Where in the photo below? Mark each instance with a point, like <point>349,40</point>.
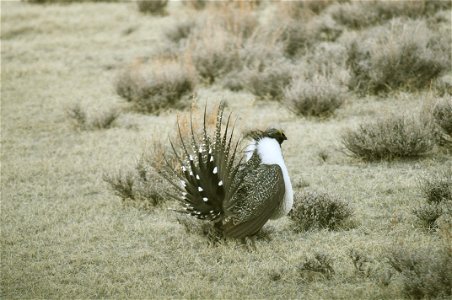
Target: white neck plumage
<point>269,151</point>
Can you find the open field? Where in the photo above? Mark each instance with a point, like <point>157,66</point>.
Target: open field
<point>64,234</point>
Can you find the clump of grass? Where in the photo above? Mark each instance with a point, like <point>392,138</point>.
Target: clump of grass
<point>268,82</point>
<point>180,31</point>
<point>316,210</point>
<point>166,85</point>
<point>443,85</point>
<point>442,115</point>
<point>402,54</point>
<point>65,1</point>
<point>390,138</point>
<point>428,215</point>
<point>360,14</point>
<point>196,4</point>
<point>262,70</point>
<point>214,56</point>
<point>140,187</point>
<point>317,98</point>
<point>436,189</point>
<point>320,264</point>
<point>101,120</point>
<point>361,262</point>
<point>200,228</point>
<point>295,37</point>
<point>154,7</point>
<point>77,115</point>
<point>425,273</point>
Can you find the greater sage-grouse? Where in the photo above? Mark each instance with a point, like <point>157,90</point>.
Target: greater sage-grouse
<point>238,195</point>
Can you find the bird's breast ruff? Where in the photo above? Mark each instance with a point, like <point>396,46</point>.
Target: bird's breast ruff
<point>269,151</point>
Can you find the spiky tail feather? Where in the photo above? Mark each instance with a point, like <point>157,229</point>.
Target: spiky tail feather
<point>208,176</point>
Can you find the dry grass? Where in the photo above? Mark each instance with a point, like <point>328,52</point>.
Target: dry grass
<point>65,235</point>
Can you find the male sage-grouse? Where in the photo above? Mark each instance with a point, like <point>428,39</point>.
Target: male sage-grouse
<point>239,196</point>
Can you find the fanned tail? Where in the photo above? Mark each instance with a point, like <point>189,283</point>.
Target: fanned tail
<point>207,176</point>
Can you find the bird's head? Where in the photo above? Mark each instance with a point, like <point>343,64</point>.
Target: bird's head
<point>276,134</point>
<point>272,133</point>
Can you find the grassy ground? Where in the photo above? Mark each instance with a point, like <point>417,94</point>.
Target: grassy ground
<point>63,233</point>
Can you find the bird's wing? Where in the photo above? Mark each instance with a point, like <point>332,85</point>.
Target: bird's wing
<point>260,195</point>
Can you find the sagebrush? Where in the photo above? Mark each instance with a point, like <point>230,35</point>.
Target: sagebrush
<point>162,86</point>
<point>320,264</point>
<point>398,56</point>
<point>436,189</point>
<point>425,273</point>
<point>316,210</point>
<point>317,98</point>
<point>97,120</point>
<point>141,186</point>
<point>390,138</point>
<point>155,7</point>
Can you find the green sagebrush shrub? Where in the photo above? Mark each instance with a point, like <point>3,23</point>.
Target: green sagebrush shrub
<point>425,273</point>
<point>436,189</point>
<point>390,138</point>
<point>154,7</point>
<point>317,210</point>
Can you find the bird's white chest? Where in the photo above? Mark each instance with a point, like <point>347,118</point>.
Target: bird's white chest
<point>270,153</point>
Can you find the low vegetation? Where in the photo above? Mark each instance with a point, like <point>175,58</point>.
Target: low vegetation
<point>321,264</point>
<point>318,97</point>
<point>442,116</point>
<point>67,233</point>
<point>98,120</point>
<point>142,186</point>
<point>425,273</point>
<point>317,210</point>
<point>157,87</point>
<point>390,138</point>
<point>361,14</point>
<point>436,189</point>
<point>405,55</point>
<point>155,7</point>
